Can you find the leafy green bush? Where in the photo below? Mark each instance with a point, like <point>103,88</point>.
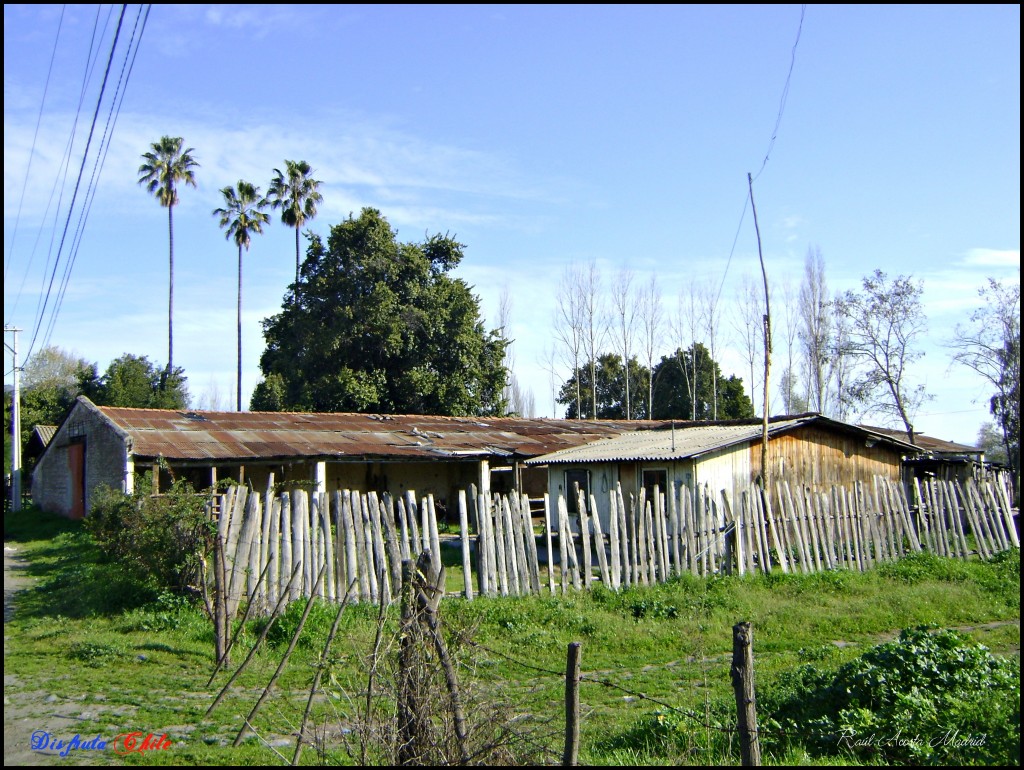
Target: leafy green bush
<point>160,540</point>
<point>917,567</point>
<point>930,697</point>
<point>314,630</point>
<point>686,738</point>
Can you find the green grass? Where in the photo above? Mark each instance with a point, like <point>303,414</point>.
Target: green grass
<point>124,658</point>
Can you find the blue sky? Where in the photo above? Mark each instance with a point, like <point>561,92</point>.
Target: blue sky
<point>540,136</point>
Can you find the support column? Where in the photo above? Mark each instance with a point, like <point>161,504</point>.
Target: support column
<point>129,475</point>
<point>320,477</point>
<point>485,477</point>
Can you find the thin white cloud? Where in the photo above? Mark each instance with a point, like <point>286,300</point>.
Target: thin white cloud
<point>993,258</point>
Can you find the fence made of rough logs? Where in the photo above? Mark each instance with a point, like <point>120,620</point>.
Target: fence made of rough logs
<point>277,544</point>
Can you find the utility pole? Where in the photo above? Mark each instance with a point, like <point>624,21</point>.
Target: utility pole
<point>765,476</point>
<point>15,422</point>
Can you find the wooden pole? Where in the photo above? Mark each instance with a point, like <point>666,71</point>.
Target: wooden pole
<point>572,706</point>
<point>547,543</point>
<point>602,558</point>
<point>581,507</point>
<point>531,543</point>
<point>743,686</point>
<point>467,573</point>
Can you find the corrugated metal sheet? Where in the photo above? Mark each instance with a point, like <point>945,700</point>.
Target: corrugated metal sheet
<point>926,443</point>
<point>177,435</point>
<point>666,444</point>
<point>45,433</point>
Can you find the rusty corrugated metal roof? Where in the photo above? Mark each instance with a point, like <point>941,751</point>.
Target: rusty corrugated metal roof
<point>927,443</point>
<point>201,435</point>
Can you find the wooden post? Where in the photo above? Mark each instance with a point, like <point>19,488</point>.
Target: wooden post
<point>743,686</point>
<point>642,558</point>
<point>403,526</point>
<point>467,572</point>
<point>613,541</point>
<point>566,547</point>
<point>687,518</point>
<point>408,700</point>
<point>531,543</point>
<point>674,530</point>
<point>517,548</point>
<point>434,535</point>
<point>602,558</point>
<point>273,549</point>
<point>572,706</point>
<point>624,536</point>
<point>500,549</point>
<point>581,507</point>
<point>777,533</point>
<point>547,543</point>
<point>742,549</point>
<point>414,530</point>
<point>383,561</point>
<point>387,516</point>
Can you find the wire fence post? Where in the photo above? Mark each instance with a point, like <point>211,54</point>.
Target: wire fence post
<point>572,705</point>
<point>743,685</point>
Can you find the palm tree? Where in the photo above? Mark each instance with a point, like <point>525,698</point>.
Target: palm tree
<point>296,192</point>
<point>242,215</point>
<point>164,167</point>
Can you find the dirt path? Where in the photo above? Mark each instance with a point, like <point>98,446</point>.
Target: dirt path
<point>27,712</point>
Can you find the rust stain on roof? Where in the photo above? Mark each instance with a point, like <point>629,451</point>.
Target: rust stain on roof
<point>201,435</point>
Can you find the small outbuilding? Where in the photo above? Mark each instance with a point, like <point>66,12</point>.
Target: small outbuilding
<point>805,450</point>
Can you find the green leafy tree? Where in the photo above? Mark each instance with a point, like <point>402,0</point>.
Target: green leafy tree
<point>297,194</point>
<point>381,326</point>
<point>990,440</point>
<point>164,168</point>
<point>611,389</point>
<point>136,382</point>
<point>52,380</point>
<point>241,216</point>
<point>886,320</point>
<point>990,346</point>
<point>684,388</point>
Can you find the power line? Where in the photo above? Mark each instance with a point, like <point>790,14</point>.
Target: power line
<point>59,183</point>
<point>771,145</point>
<point>78,182</point>
<point>785,94</point>
<point>112,115</point>
<point>32,151</point>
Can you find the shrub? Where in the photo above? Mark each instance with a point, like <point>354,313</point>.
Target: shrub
<point>160,540</point>
<point>930,697</point>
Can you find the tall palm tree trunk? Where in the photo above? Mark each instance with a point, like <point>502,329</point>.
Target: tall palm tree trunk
<point>170,293</point>
<point>296,260</point>
<point>238,389</point>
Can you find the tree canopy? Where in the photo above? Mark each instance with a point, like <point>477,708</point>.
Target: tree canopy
<point>886,323</point>
<point>673,395</point>
<point>380,326</point>
<point>678,396</point>
<point>611,389</point>
<point>135,381</point>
